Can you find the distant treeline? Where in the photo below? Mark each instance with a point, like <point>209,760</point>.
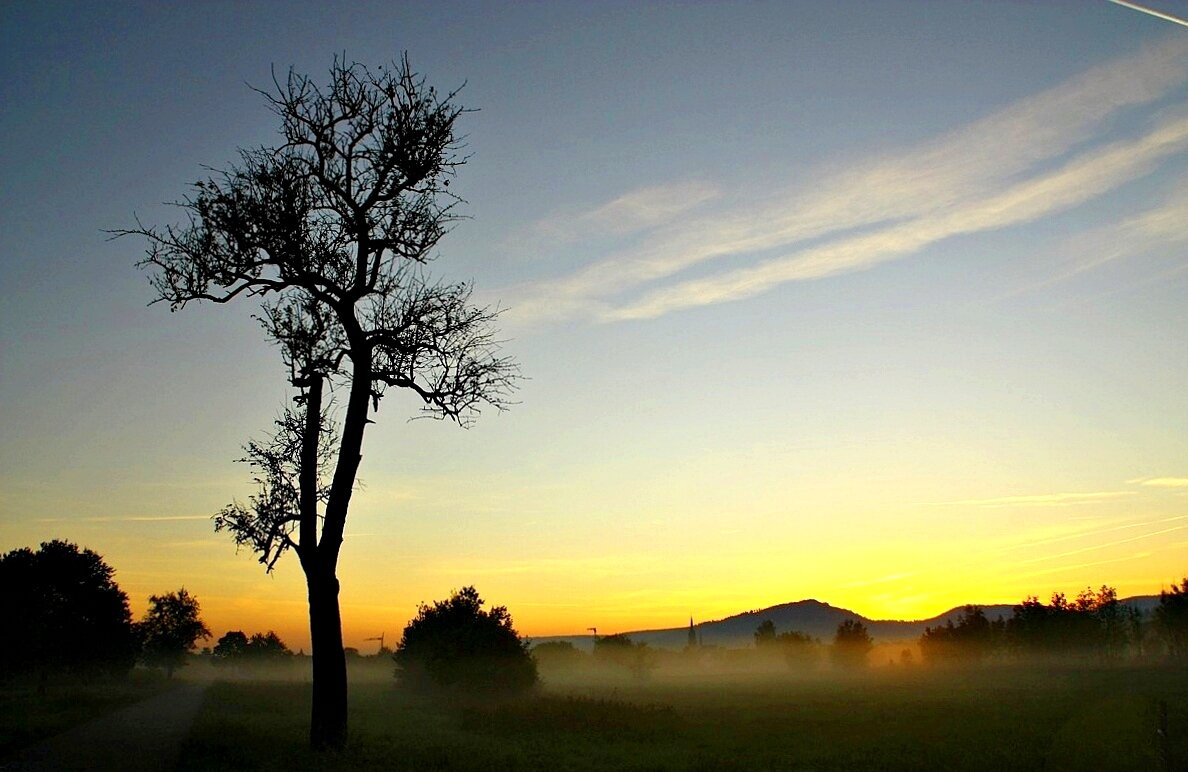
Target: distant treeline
<point>849,648</point>
<point>1094,624</point>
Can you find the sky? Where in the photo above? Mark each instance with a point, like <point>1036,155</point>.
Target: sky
<point>879,303</point>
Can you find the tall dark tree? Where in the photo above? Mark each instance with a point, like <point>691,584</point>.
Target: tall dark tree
<point>331,230</point>
<point>171,627</point>
<point>62,610</point>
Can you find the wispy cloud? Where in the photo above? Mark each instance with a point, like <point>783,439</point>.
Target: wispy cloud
<point>1078,531</point>
<point>1082,179</point>
<point>1035,500</point>
<point>1163,482</point>
<point>123,519</point>
<point>632,212</point>
<point>1162,225</point>
<point>1079,566</point>
<point>593,566</point>
<point>992,173</point>
<point>1102,545</point>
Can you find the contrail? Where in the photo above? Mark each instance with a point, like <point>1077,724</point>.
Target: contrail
<point>1152,11</point>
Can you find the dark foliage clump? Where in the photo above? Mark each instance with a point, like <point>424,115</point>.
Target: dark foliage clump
<point>171,627</point>
<point>1094,623</point>
<point>1171,619</point>
<point>236,647</point>
<point>851,644</point>
<point>557,654</point>
<point>621,651</point>
<point>971,639</point>
<point>456,644</point>
<point>63,611</point>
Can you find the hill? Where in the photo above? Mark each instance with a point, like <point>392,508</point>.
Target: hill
<point>813,617</point>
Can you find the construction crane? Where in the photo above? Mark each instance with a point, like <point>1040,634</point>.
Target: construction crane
<point>379,638</point>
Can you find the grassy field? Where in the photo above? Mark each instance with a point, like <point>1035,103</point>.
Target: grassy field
<point>28,715</point>
<point>891,719</point>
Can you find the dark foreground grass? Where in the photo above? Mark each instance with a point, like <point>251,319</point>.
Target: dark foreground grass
<point>906,720</point>
<point>28,714</point>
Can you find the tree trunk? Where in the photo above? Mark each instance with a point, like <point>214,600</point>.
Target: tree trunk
<point>328,719</point>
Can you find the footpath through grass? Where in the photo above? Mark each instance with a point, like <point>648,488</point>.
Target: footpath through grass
<point>906,719</point>
<point>29,715</point>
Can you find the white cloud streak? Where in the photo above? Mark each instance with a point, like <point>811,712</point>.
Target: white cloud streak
<point>1165,224</point>
<point>1165,482</point>
<point>1105,545</point>
<point>124,519</point>
<point>1083,532</point>
<point>632,212</point>
<point>1082,179</point>
<point>1037,500</point>
<point>991,173</point>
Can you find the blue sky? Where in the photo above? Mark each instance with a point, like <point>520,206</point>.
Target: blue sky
<point>814,299</point>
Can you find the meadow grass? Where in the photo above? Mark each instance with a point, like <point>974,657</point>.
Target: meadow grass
<point>31,711</point>
<point>893,719</point>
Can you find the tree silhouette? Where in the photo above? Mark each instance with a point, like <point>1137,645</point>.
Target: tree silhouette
<point>235,646</point>
<point>851,644</point>
<point>620,650</point>
<point>331,230</point>
<point>455,643</point>
<point>267,646</point>
<point>62,610</point>
<point>970,639</point>
<point>231,647</point>
<point>765,634</point>
<point>1171,619</point>
<point>557,654</point>
<point>1093,623</point>
<point>799,649</point>
<point>171,627</point>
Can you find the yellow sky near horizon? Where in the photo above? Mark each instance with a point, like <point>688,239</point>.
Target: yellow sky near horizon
<point>920,559</point>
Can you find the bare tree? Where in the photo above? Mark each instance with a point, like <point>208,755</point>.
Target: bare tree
<point>331,231</point>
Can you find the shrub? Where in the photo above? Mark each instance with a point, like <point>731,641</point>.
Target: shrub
<point>455,643</point>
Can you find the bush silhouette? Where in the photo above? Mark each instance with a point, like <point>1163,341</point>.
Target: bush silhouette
<point>455,643</point>
<point>621,651</point>
<point>557,654</point>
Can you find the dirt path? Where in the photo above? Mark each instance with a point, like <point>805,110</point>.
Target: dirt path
<point>144,736</point>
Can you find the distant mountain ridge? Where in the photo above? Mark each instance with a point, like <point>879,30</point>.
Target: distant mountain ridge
<point>814,617</point>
